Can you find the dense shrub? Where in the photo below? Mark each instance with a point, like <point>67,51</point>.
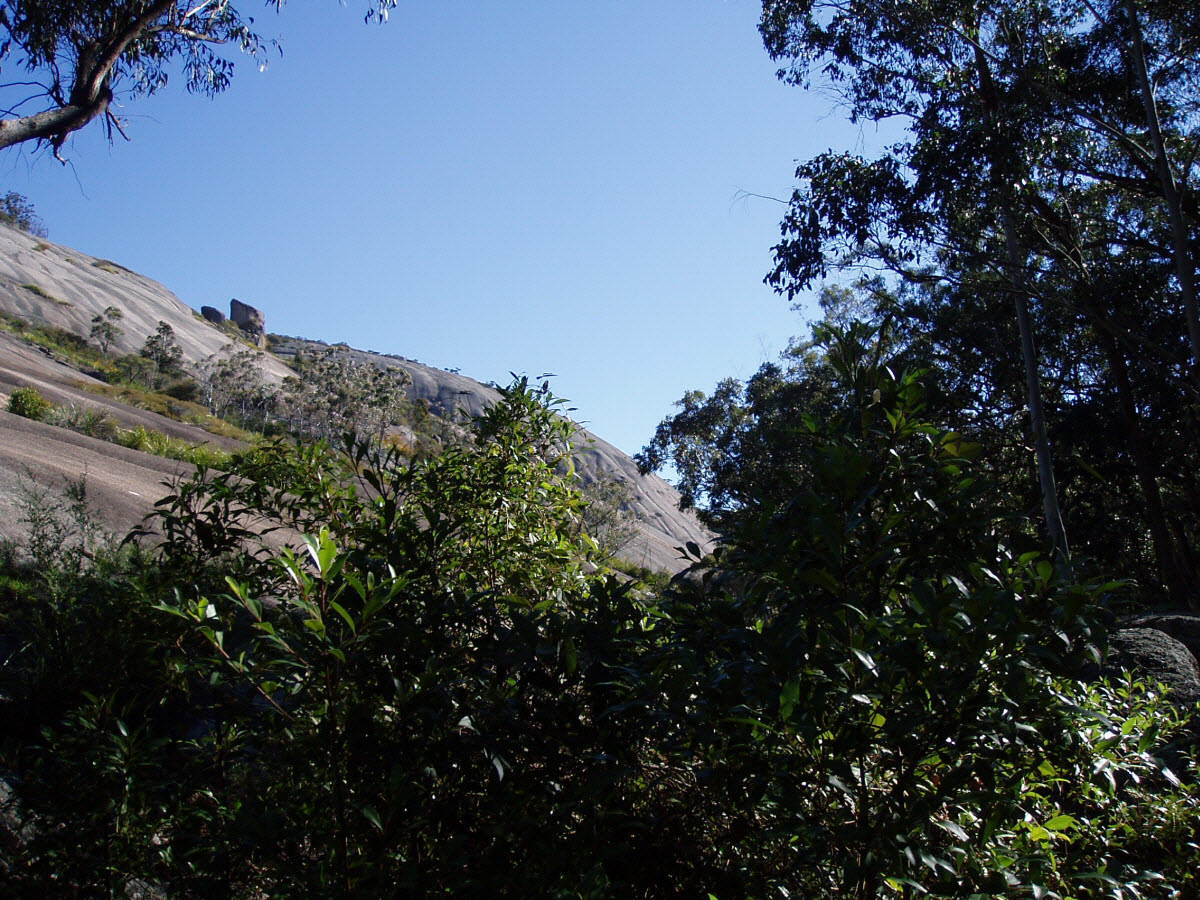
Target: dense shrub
<point>28,402</point>
<point>183,389</point>
<point>347,672</point>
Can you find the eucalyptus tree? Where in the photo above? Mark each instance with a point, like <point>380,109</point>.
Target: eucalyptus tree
<point>1021,141</point>
<point>333,394</point>
<point>235,383</point>
<point>105,329</point>
<point>736,450</point>
<point>78,53</point>
<point>940,191</point>
<point>17,210</point>
<point>162,349</point>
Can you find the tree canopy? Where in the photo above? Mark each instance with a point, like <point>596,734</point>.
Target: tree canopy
<point>1046,167</point>
<point>78,54</point>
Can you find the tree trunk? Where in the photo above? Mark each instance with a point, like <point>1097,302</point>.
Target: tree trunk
<point>1014,271</point>
<point>1172,569</point>
<point>1033,391</point>
<point>1185,268</point>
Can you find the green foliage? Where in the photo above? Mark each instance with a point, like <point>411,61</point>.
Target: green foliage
<point>234,388</point>
<point>77,56</point>
<point>170,407</point>
<point>182,388</point>
<point>351,672</point>
<point>149,441</point>
<point>81,658</point>
<point>163,353</point>
<point>99,423</point>
<point>85,419</point>
<point>28,402</point>
<point>655,581</point>
<point>334,394</point>
<point>135,369</point>
<point>432,666</point>
<point>44,294</point>
<point>58,341</point>
<point>1044,149</point>
<point>105,329</point>
<point>880,691</point>
<point>740,450</point>
<point>17,210</point>
<point>607,516</point>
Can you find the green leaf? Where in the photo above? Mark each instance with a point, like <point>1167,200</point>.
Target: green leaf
<point>953,828</point>
<point>866,659</point>
<point>372,816</point>
<point>788,698</point>
<point>346,617</point>
<point>316,626</point>
<point>1061,823</point>
<point>836,782</point>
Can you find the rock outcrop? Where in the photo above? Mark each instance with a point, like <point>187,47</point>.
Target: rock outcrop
<point>65,288</point>
<point>1157,656</point>
<point>1184,628</point>
<point>60,286</point>
<point>212,314</point>
<point>250,320</point>
<point>1162,649</point>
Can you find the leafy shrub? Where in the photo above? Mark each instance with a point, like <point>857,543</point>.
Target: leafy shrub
<point>151,401</point>
<point>81,657</point>
<point>57,340</point>
<point>28,402</point>
<point>13,323</point>
<point>348,672</point>
<point>427,671</point>
<point>885,696</point>
<point>111,267</point>
<point>183,389</point>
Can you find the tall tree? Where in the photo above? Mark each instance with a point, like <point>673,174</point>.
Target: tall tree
<point>926,197</point>
<point>1016,111</point>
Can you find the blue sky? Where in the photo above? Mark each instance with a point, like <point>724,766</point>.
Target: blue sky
<point>545,186</point>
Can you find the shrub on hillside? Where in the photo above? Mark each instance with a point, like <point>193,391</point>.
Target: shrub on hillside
<point>183,389</point>
<point>28,402</point>
<point>89,420</point>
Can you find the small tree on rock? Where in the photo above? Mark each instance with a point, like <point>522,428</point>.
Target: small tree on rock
<point>105,329</point>
<point>608,517</point>
<point>163,350</point>
<point>17,210</point>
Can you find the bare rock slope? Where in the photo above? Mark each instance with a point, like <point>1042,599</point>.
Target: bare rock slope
<point>56,285</point>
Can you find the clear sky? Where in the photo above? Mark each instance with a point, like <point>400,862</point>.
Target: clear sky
<point>529,186</point>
